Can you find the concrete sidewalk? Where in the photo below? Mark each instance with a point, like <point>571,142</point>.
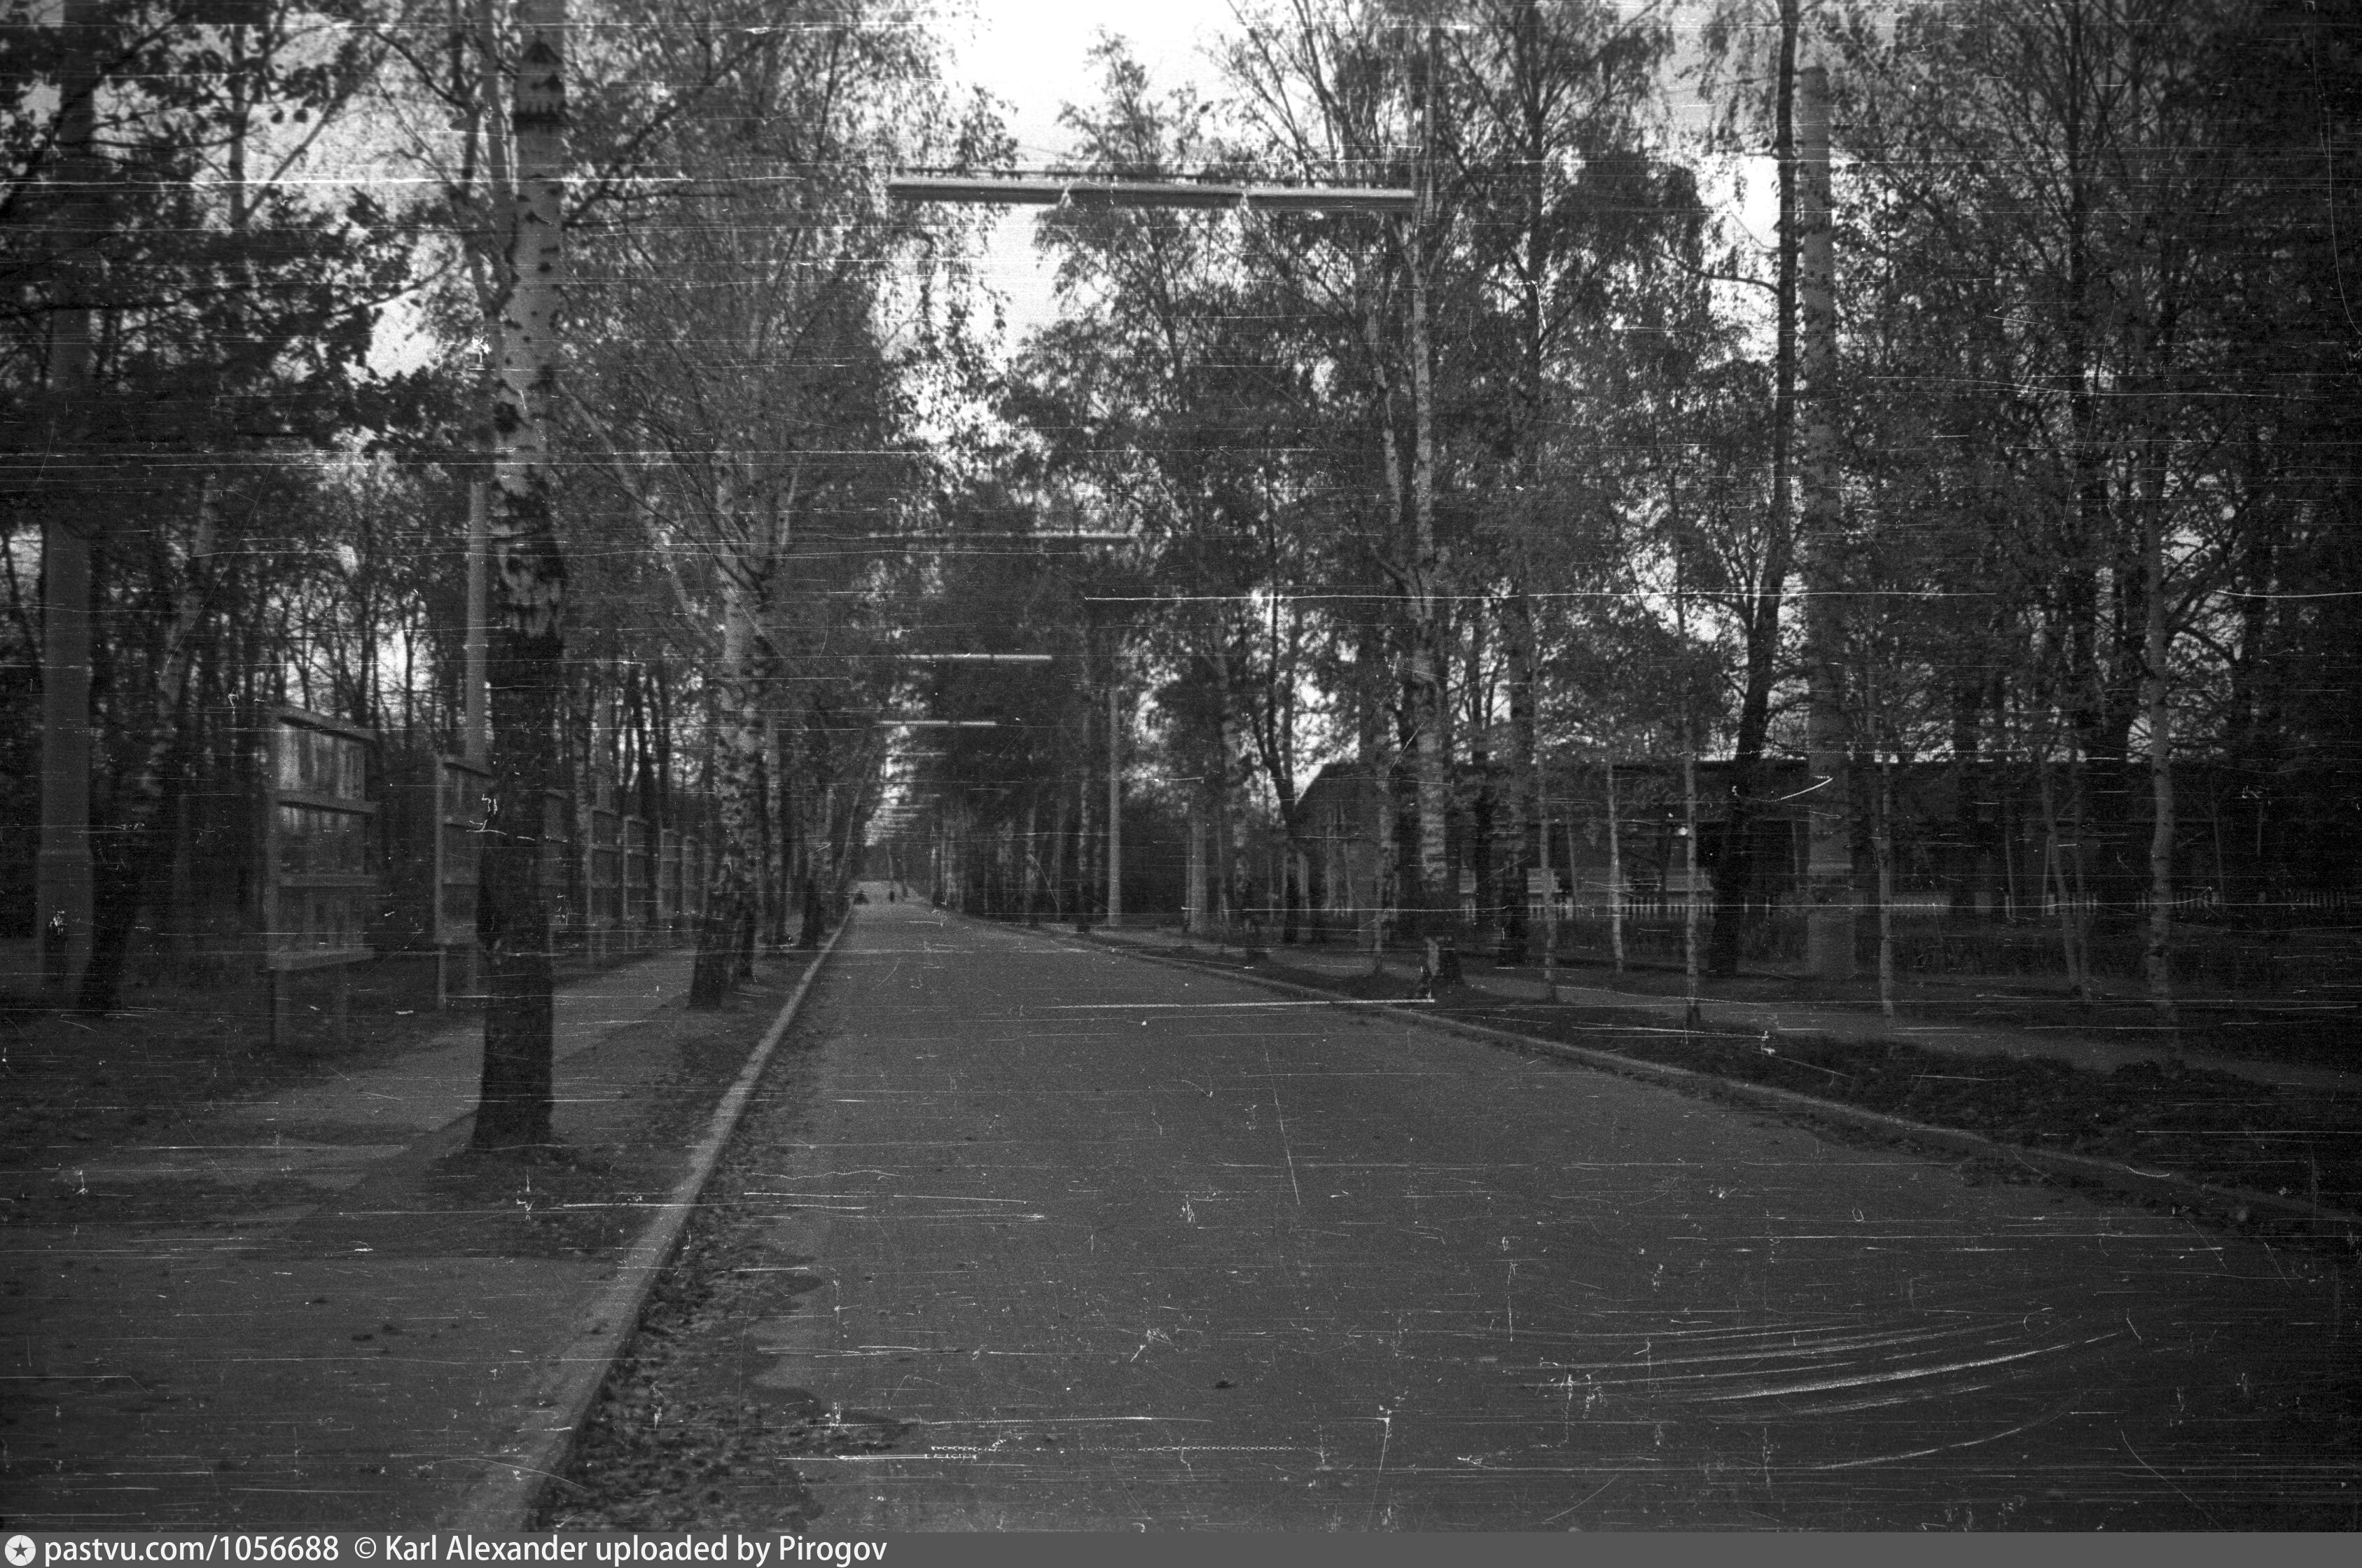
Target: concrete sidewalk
<point>297,1316</point>
<point>1857,1024</point>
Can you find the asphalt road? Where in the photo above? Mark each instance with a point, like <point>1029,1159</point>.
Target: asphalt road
<point>1133,1247</point>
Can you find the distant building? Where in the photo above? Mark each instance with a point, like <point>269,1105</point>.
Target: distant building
<point>1971,837</point>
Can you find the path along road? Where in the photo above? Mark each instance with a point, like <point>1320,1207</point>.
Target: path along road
<point>1135,1247</point>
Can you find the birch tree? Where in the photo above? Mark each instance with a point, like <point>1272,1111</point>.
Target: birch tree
<point>525,670</point>
<point>752,412</point>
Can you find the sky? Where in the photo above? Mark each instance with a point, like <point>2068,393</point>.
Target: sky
<point>1034,55</point>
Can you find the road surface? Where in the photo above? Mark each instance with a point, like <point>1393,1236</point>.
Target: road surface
<point>1132,1247</point>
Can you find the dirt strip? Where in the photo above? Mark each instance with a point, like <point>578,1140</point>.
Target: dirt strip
<point>2273,1154</point>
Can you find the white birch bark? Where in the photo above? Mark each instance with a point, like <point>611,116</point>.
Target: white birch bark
<point>1829,868</point>
<point>729,898</point>
<point>1432,762</point>
<point>2156,641</point>
<point>1549,887</point>
<point>526,671</point>
<point>1615,874</point>
<point>1690,878</point>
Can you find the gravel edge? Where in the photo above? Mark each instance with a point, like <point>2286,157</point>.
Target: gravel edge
<point>506,1500</point>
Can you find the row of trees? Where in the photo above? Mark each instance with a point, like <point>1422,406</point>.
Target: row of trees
<point>179,317</point>
<point>303,294</point>
<point>1552,471</point>
<point>2042,416</point>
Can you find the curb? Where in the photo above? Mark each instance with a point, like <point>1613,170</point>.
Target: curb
<point>2237,1205</point>
<point>503,1502</point>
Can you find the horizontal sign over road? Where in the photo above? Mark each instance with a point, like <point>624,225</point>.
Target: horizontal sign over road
<point>1092,192</point>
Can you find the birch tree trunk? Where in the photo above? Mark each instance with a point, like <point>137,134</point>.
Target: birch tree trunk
<point>1481,914</point>
<point>1886,742</point>
<point>1884,840</point>
<point>1615,874</point>
<point>823,862</point>
<point>730,893</point>
<point>1690,877</point>
<point>142,853</point>
<point>844,854</point>
<point>1689,810</point>
<point>526,669</point>
<point>1828,867</point>
<point>1431,762</point>
<point>955,872</point>
<point>1738,877</point>
<point>1385,886</point>
<point>63,912</point>
<point>1193,894</point>
<point>777,805</point>
<point>1086,839</point>
<point>1030,871</point>
<point>2079,832</point>
<point>1549,895</point>
<point>2054,871</point>
<point>1230,871</point>
<point>1057,871</point>
<point>959,850</point>
<point>2155,647</point>
<point>1528,828</point>
<point>1272,728</point>
<point>1369,689</point>
<point>1114,807</point>
<point>1394,883</point>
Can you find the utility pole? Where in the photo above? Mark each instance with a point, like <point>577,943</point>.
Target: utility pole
<point>1115,806</point>
<point>1829,865</point>
<point>1437,901</point>
<point>477,744</point>
<point>62,871</point>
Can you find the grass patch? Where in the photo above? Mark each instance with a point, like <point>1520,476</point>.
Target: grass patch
<point>2207,1126</point>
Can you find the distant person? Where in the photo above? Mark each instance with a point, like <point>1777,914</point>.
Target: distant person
<point>889,895</point>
